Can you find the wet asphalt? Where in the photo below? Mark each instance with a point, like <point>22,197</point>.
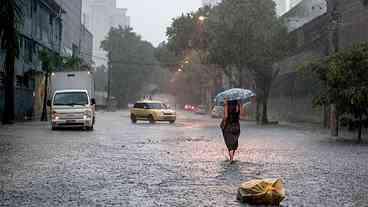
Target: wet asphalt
<point>144,165</point>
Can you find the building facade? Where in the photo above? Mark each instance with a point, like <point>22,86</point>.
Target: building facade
<point>86,46</point>
<point>303,13</point>
<point>292,93</point>
<point>77,40</point>
<point>40,30</point>
<point>283,6</point>
<point>53,25</point>
<point>72,27</point>
<point>99,16</point>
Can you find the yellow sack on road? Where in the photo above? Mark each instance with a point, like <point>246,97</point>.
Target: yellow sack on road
<point>262,192</point>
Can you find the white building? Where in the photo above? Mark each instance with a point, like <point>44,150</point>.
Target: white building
<point>304,12</point>
<point>210,2</point>
<point>283,6</point>
<point>99,16</point>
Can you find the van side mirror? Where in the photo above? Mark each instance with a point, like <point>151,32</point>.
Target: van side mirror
<point>93,101</point>
<point>49,103</point>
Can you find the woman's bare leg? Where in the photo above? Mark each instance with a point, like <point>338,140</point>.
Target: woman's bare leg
<point>231,154</point>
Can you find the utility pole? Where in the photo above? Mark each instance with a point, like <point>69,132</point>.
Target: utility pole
<point>109,80</point>
<point>333,47</point>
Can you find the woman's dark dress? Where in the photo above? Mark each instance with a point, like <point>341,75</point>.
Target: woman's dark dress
<point>231,130</point>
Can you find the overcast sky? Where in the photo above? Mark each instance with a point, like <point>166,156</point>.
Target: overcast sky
<point>149,18</point>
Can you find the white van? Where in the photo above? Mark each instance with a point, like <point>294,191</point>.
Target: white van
<point>72,108</point>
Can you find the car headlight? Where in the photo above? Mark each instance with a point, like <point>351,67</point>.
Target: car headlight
<point>87,114</point>
<point>55,115</point>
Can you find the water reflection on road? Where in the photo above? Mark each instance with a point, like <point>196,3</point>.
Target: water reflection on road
<point>184,164</point>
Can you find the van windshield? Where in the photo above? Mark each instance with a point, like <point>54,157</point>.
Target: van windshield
<point>71,99</point>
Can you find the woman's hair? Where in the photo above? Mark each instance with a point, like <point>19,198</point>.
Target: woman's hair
<point>234,102</point>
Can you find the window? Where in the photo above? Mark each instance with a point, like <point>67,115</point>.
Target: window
<point>139,106</point>
<point>75,51</point>
<point>71,98</point>
<point>28,50</point>
<point>2,79</point>
<point>18,81</point>
<point>155,106</point>
<point>26,81</point>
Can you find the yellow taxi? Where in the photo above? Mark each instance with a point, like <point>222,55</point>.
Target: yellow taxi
<point>152,111</point>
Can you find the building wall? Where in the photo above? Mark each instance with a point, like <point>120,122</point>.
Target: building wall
<point>304,12</point>
<point>292,93</point>
<point>72,26</point>
<point>99,16</point>
<point>40,30</point>
<point>281,6</point>
<point>87,46</point>
<point>353,27</point>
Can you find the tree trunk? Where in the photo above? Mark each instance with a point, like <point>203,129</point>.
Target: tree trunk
<point>258,111</point>
<point>240,79</point>
<point>44,107</point>
<point>266,93</point>
<point>360,129</point>
<point>334,121</point>
<point>265,110</point>
<point>325,116</point>
<point>9,87</point>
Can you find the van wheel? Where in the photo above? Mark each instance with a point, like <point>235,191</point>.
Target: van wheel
<point>172,122</point>
<point>151,119</point>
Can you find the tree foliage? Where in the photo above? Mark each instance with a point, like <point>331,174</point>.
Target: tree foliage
<point>132,63</point>
<point>345,75</point>
<point>187,32</point>
<point>244,37</point>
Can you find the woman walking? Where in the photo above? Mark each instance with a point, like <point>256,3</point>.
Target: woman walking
<point>231,127</point>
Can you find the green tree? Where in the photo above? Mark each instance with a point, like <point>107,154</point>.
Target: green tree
<point>187,32</point>
<point>10,17</point>
<point>188,39</point>
<point>132,63</point>
<point>247,36</point>
<point>345,75</point>
<point>167,57</point>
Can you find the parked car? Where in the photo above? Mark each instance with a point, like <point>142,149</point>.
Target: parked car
<point>201,109</point>
<point>152,111</point>
<point>217,112</point>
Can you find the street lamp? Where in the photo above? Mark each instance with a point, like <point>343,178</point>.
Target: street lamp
<point>202,18</point>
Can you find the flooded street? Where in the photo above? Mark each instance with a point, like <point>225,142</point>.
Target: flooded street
<point>185,164</point>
